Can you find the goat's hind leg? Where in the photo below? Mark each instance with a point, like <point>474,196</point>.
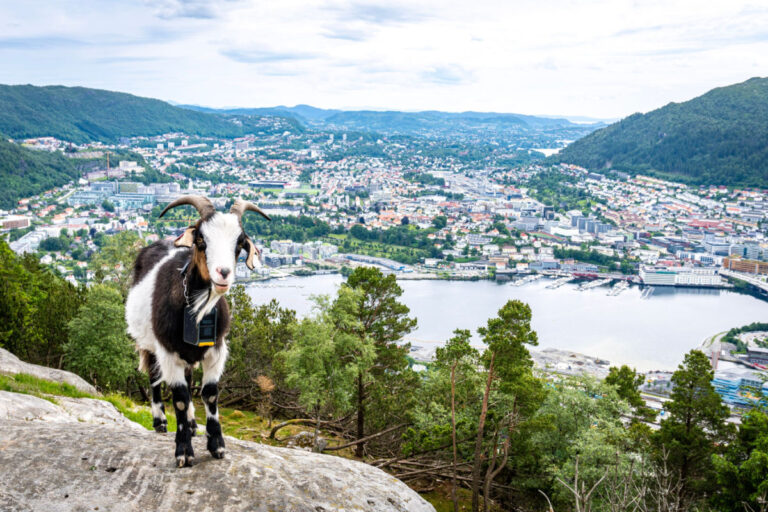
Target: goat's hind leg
<point>159,421</point>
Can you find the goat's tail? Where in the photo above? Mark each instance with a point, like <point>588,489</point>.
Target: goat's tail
<point>145,360</point>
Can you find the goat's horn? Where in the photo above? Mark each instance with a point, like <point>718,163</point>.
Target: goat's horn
<point>202,204</point>
<point>240,207</point>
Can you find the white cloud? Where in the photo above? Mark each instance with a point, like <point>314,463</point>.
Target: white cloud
<point>604,58</point>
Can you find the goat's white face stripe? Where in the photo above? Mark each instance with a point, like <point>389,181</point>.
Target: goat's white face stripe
<point>220,233</point>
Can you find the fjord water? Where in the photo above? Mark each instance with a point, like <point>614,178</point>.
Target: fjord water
<point>649,333</point>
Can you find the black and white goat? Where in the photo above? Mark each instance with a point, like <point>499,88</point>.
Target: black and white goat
<point>195,271</point>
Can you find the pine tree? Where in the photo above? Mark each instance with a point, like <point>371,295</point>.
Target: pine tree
<point>384,320</point>
<point>695,428</point>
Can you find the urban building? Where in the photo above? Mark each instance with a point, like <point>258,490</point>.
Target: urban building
<point>747,266</point>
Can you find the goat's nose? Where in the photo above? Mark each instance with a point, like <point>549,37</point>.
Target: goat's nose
<point>224,272</point>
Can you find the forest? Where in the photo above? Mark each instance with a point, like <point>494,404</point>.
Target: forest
<point>26,172</point>
<point>78,114</point>
<point>719,138</point>
<point>478,423</point>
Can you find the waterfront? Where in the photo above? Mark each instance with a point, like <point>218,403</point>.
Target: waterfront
<point>648,333</point>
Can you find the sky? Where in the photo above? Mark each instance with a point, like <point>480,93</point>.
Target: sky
<point>597,58</point>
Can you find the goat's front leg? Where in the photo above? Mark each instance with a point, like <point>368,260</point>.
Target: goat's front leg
<point>191,408</point>
<point>172,369</point>
<point>213,367</point>
<point>185,455</point>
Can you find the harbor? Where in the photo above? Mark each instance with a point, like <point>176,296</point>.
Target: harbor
<point>649,328</point>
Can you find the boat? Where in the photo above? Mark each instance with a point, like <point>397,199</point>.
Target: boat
<point>618,288</point>
<point>593,284</point>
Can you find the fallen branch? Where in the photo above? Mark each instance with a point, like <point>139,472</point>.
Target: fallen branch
<point>462,479</point>
<point>429,470</point>
<point>297,421</point>
<point>387,462</point>
<point>365,439</point>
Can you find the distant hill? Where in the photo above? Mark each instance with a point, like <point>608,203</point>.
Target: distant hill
<point>718,138</point>
<point>426,123</point>
<point>26,172</point>
<point>78,114</point>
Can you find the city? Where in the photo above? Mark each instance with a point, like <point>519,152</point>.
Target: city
<point>381,202</point>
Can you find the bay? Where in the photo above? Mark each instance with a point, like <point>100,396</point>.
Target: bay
<point>650,333</point>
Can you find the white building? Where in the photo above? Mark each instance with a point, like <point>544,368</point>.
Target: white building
<point>680,276</point>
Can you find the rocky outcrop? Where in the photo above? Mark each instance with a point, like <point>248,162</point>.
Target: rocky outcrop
<point>60,409</point>
<point>55,457</point>
<point>11,365</point>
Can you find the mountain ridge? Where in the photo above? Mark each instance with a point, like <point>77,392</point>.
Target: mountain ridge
<point>311,113</point>
<point>81,114</point>
<point>718,138</point>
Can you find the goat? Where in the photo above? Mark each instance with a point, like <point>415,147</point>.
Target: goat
<point>180,280</point>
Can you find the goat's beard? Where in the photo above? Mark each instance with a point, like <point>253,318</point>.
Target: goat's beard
<point>203,302</point>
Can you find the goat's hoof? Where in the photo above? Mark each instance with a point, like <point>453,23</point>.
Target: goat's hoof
<point>193,427</point>
<point>216,446</point>
<point>161,428</point>
<point>182,461</point>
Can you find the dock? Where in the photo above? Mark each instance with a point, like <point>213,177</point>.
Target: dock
<point>594,284</point>
<point>560,282</point>
<point>527,279</point>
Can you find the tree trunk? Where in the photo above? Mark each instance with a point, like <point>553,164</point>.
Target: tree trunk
<point>454,497</point>
<point>477,463</point>
<point>144,395</point>
<point>360,415</point>
<point>494,470</point>
<point>317,429</point>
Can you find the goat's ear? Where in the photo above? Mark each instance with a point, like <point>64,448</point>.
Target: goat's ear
<point>186,239</point>
<point>253,253</point>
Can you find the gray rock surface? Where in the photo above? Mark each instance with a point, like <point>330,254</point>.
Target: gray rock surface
<point>51,463</point>
<point>11,365</point>
<point>61,409</point>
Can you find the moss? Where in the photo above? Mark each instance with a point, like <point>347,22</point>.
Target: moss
<point>440,498</point>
